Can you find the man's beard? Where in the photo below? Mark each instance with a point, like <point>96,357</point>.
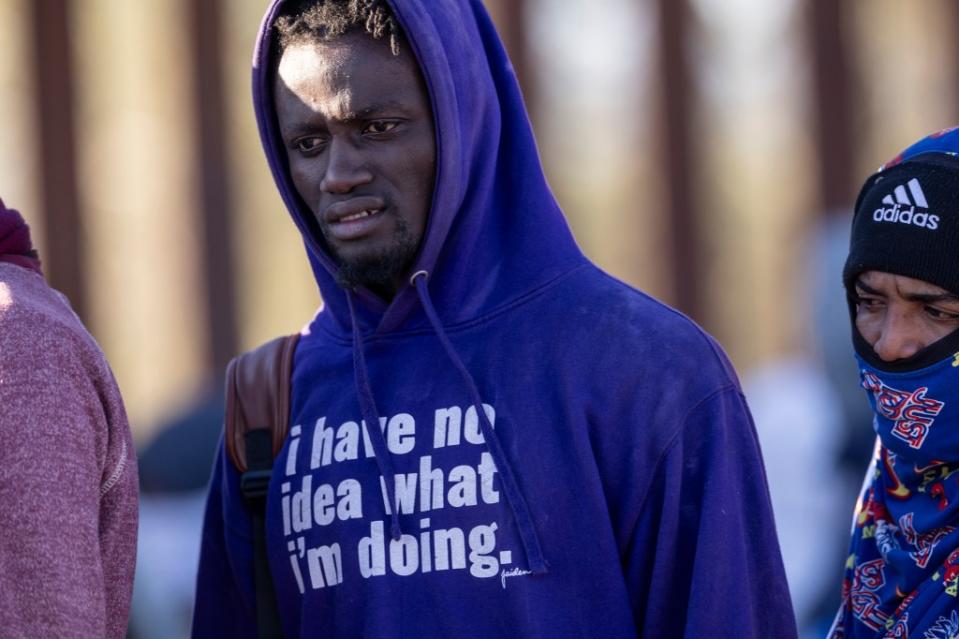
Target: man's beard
<point>379,271</point>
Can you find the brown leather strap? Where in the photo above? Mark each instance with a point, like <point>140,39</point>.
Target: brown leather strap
<point>258,396</point>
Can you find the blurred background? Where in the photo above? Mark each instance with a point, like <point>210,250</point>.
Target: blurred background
<point>706,151</point>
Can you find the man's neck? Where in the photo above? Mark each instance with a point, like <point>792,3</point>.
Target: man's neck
<point>386,292</point>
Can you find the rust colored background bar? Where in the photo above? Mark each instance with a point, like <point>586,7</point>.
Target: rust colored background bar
<point>833,90</point>
<point>63,254</point>
<point>676,113</point>
<point>513,30</point>
<point>218,278</point>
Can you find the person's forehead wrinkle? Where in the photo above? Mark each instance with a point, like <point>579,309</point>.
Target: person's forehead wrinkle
<point>321,95</point>
<point>884,284</point>
<point>861,284</point>
<point>917,290</point>
<point>338,106</point>
<point>932,298</point>
<point>907,289</point>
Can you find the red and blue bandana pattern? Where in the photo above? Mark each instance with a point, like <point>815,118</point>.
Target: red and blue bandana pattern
<point>902,573</point>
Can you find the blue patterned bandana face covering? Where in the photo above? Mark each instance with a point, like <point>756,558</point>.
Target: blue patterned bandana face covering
<point>913,410</point>
<point>902,573</point>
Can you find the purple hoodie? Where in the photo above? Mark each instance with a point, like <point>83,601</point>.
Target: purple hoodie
<point>68,474</point>
<point>558,455</point>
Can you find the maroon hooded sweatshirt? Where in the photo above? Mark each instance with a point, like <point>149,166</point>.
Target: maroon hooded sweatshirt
<point>68,474</point>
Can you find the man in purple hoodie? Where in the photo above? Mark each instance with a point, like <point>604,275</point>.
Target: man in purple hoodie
<point>488,436</point>
<point>68,475</point>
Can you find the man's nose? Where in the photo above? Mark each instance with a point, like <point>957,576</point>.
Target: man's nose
<point>900,338</point>
<point>345,169</point>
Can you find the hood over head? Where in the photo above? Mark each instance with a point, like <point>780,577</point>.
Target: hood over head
<point>495,231</point>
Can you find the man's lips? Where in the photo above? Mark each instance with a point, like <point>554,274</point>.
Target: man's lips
<point>353,218</point>
<point>344,210</point>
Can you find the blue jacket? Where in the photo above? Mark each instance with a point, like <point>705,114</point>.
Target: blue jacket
<point>558,455</point>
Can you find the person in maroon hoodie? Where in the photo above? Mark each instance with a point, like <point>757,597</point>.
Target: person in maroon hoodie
<point>68,474</point>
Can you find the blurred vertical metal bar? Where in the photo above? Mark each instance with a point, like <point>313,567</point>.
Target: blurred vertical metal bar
<point>512,27</point>
<point>833,89</point>
<point>205,18</point>
<point>676,113</point>
<point>53,59</point>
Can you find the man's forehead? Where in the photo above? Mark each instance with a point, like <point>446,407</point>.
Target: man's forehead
<point>902,284</point>
<point>351,48</point>
<point>342,61</point>
<point>314,62</point>
<point>347,78</point>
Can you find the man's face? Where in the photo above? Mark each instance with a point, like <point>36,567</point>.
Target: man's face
<point>899,316</point>
<point>358,130</point>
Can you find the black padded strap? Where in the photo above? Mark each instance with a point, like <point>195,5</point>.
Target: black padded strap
<point>253,484</point>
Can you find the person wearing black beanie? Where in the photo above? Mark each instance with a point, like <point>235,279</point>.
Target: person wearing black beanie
<point>902,284</point>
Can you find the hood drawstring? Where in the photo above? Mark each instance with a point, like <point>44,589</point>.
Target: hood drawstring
<point>517,503</point>
<point>371,417</point>
<point>515,499</point>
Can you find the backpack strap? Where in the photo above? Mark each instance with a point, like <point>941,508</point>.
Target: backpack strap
<point>258,396</point>
<point>257,418</point>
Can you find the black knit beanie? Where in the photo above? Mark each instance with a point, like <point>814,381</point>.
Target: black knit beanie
<point>907,223</point>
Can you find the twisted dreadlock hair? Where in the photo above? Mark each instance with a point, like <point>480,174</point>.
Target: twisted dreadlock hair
<point>323,20</point>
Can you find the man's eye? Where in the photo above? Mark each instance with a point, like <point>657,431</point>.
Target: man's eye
<point>867,303</point>
<point>380,126</point>
<point>308,145</point>
<point>940,314</point>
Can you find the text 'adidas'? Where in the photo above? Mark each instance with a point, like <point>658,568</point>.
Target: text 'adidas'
<point>903,210</point>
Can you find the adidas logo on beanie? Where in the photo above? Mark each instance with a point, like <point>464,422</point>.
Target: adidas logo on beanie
<point>897,207</point>
<point>907,222</point>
